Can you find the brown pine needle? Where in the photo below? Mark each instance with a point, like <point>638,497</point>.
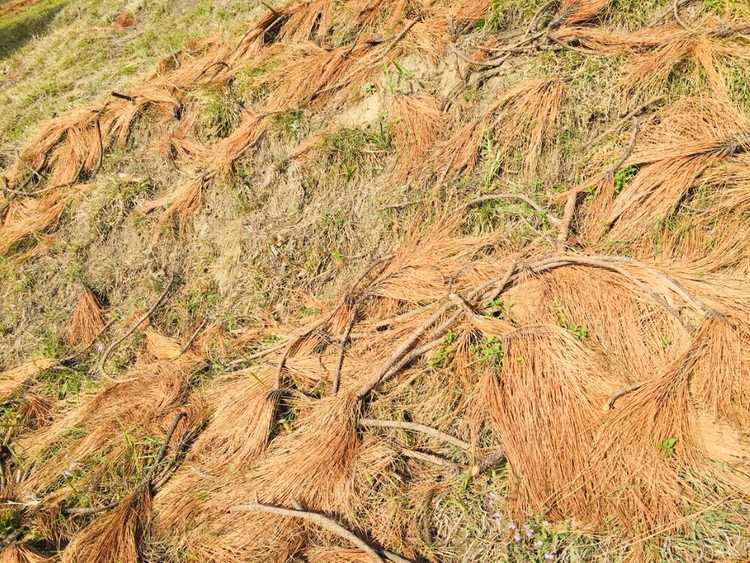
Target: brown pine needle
<point>628,117</point>
<point>189,343</point>
<point>86,322</point>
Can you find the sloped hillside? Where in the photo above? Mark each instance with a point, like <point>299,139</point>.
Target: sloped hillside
<point>375,280</point>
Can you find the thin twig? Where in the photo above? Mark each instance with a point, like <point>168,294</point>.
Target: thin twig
<point>537,15</point>
<point>189,343</point>
<point>342,350</point>
<point>438,332</point>
<point>91,509</point>
<point>676,13</point>
<point>573,194</point>
<point>101,147</point>
<point>213,64</point>
<point>270,8</point>
<point>123,96</point>
<point>316,518</point>
<point>258,355</point>
<point>144,483</point>
<point>415,427</point>
<point>431,458</point>
<point>629,150</point>
<point>163,449</point>
<point>346,80</point>
<point>403,349</point>
<point>41,190</point>
<point>399,37</point>
<point>586,52</point>
<point>490,63</point>
<point>611,263</point>
<point>664,14</point>
<point>500,287</point>
<point>621,393</point>
<point>132,329</point>
<point>293,343</point>
<point>554,221</point>
<point>104,329</point>
<point>637,111</point>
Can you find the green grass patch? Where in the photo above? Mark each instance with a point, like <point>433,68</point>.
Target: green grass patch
<point>17,28</point>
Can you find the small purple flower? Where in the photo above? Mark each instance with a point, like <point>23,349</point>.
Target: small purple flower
<point>516,537</point>
<point>549,556</point>
<point>511,526</point>
<point>538,544</point>
<point>491,497</point>
<point>529,532</point>
<point>497,518</point>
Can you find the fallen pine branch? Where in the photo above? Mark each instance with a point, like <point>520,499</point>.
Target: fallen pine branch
<point>572,200</point>
<point>433,459</point>
<point>405,359</point>
<point>123,96</point>
<point>189,343</point>
<point>627,117</point>
<point>316,518</point>
<point>350,325</point>
<point>402,350</point>
<point>676,14</point>
<point>621,393</point>
<point>415,427</point>
<point>259,354</point>
<point>148,478</point>
<point>342,351</point>
<point>133,328</point>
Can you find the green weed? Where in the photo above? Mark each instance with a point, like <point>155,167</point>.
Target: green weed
<point>352,151</point>
<point>289,124</point>
<point>489,351</point>
<point>668,447</point>
<point>624,176</point>
<point>580,332</point>
<point>221,112</point>
<point>498,308</point>
<point>441,357</point>
<point>63,383</point>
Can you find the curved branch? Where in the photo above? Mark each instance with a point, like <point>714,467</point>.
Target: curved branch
<point>143,483</point>
<point>572,200</point>
<point>416,427</point>
<point>132,329</point>
<point>554,221</point>
<point>316,518</point>
<point>433,459</point>
<point>621,393</point>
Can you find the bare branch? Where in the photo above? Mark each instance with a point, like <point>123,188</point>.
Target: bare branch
<point>316,518</point>
<point>621,393</point>
<point>132,329</point>
<point>416,427</point>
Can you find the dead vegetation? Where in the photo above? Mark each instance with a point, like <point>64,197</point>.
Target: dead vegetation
<point>538,354</point>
